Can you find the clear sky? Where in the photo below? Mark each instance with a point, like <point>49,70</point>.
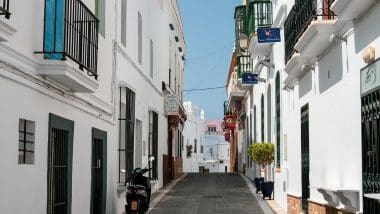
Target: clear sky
<point>209,36</point>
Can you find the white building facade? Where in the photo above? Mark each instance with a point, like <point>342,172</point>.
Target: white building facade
<point>317,104</point>
<point>84,84</point>
<point>216,154</point>
<point>193,133</point>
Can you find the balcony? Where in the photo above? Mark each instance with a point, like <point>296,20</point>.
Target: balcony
<point>70,32</point>
<point>4,8</point>
<point>241,27</point>
<point>259,14</point>
<point>307,33</point>
<point>244,65</point>
<point>350,10</point>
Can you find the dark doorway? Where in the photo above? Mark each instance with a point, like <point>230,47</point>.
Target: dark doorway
<point>371,150</point>
<point>98,172</point>
<point>305,160</point>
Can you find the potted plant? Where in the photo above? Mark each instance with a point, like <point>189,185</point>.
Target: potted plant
<point>263,154</point>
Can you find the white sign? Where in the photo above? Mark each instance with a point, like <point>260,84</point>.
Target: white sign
<point>370,77</point>
<point>171,104</point>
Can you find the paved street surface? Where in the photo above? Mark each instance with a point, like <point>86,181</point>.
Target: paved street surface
<point>206,194</point>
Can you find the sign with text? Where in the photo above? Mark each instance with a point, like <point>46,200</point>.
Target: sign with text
<point>249,78</point>
<point>171,104</point>
<point>370,77</point>
<point>268,35</point>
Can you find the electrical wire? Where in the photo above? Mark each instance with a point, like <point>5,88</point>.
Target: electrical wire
<point>204,89</point>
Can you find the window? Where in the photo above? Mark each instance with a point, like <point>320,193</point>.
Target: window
<point>100,12</point>
<point>278,120</point>
<point>201,148</point>
<point>126,133</point>
<point>26,130</point>
<point>151,58</point>
<point>153,143</point>
<point>123,22</point>
<point>139,32</point>
<point>262,118</point>
<point>195,145</point>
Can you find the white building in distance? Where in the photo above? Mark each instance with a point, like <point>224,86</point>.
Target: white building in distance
<point>193,133</point>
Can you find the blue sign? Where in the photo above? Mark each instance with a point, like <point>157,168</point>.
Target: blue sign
<point>267,35</point>
<point>249,78</point>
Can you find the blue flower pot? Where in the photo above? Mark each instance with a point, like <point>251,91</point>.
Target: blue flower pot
<point>258,182</point>
<point>267,189</point>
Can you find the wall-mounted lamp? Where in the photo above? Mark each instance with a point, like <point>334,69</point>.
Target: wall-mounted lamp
<point>267,63</point>
<point>337,38</point>
<point>171,26</point>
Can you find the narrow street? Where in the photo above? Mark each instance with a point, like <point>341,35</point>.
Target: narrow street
<point>212,193</point>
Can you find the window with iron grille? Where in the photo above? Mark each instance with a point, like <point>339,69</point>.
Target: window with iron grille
<point>26,130</point>
<point>126,133</point>
<point>153,144</point>
<point>60,160</point>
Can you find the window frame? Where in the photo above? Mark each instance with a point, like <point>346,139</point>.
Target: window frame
<point>24,142</point>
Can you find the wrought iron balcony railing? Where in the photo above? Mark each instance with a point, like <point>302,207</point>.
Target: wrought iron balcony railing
<point>244,63</point>
<point>4,8</point>
<point>300,17</point>
<point>259,14</point>
<point>71,30</point>
<point>226,107</point>
<point>240,22</point>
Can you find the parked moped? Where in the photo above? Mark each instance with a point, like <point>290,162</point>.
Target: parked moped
<point>138,191</point>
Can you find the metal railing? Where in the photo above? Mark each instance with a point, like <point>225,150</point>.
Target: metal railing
<point>226,107</point>
<point>4,8</point>
<point>299,18</point>
<point>71,30</point>
<point>240,22</point>
<point>259,14</point>
<point>244,64</point>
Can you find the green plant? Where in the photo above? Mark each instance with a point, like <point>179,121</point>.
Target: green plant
<point>262,153</point>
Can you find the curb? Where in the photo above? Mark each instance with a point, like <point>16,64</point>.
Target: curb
<point>264,206</point>
<point>164,191</point>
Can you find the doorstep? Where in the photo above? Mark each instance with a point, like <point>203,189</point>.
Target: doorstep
<point>266,205</point>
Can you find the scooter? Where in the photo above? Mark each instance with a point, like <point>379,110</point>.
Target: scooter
<point>138,191</point>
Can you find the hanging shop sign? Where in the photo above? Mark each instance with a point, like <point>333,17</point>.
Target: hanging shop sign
<point>171,104</point>
<point>268,35</point>
<point>370,77</point>
<point>249,78</point>
<point>230,121</point>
